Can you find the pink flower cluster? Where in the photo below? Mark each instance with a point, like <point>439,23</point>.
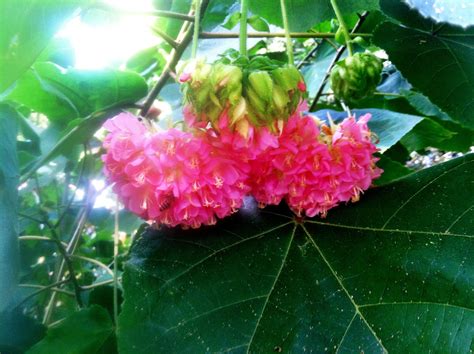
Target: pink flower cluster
<point>192,179</point>
<point>316,167</point>
<point>172,177</point>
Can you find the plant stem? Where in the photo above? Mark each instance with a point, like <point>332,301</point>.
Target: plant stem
<point>47,287</point>
<point>339,53</point>
<point>309,55</point>
<point>42,287</point>
<point>71,199</point>
<point>387,94</point>
<point>116,244</point>
<point>343,26</point>
<point>185,36</point>
<point>211,35</point>
<point>70,267</point>
<point>39,238</point>
<point>286,26</point>
<point>166,38</point>
<point>29,217</point>
<point>95,285</point>
<point>156,13</point>
<point>73,242</point>
<point>94,261</point>
<point>197,24</point>
<point>243,27</point>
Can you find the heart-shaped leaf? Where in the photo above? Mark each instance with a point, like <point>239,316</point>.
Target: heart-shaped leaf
<point>436,59</point>
<point>393,272</point>
<point>453,11</point>
<point>27,28</point>
<point>63,95</point>
<point>304,14</point>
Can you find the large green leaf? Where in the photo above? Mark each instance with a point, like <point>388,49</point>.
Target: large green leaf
<point>26,28</point>
<point>9,257</point>
<point>426,133</point>
<point>63,95</point>
<point>393,272</point>
<point>18,332</point>
<point>453,11</point>
<point>436,59</point>
<point>303,14</point>
<point>392,170</point>
<point>84,332</point>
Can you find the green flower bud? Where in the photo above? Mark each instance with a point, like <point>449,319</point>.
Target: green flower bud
<point>258,105</point>
<point>227,82</point>
<point>199,97</point>
<point>287,77</point>
<point>356,77</point>
<point>239,111</point>
<point>262,83</point>
<point>280,99</point>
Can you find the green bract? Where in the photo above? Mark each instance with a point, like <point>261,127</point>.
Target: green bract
<point>356,77</point>
<point>260,90</point>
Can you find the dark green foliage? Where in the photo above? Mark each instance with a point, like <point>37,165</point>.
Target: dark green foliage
<point>264,279</point>
<point>393,272</point>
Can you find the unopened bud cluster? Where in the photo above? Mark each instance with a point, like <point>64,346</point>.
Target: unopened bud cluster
<point>260,93</point>
<point>356,77</point>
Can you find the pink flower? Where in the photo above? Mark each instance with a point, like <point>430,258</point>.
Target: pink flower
<point>314,169</point>
<point>172,177</point>
<point>286,169</point>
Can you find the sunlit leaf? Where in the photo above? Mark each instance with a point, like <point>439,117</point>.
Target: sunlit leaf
<point>63,95</point>
<point>26,29</point>
<point>453,11</point>
<point>303,14</point>
<point>436,59</point>
<point>258,24</point>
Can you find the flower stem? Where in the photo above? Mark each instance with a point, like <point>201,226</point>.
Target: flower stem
<point>116,250</point>
<point>219,35</point>
<point>184,36</point>
<point>157,13</point>
<point>197,22</point>
<point>243,26</point>
<point>343,26</point>
<point>289,43</point>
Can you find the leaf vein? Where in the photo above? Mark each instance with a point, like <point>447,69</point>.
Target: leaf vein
<point>272,287</point>
<point>422,189</point>
<point>356,307</point>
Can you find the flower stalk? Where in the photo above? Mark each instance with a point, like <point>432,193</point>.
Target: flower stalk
<point>289,43</point>
<point>342,26</point>
<point>243,27</point>
<point>197,23</point>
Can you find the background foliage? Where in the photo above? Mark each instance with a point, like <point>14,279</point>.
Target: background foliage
<point>392,272</point>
